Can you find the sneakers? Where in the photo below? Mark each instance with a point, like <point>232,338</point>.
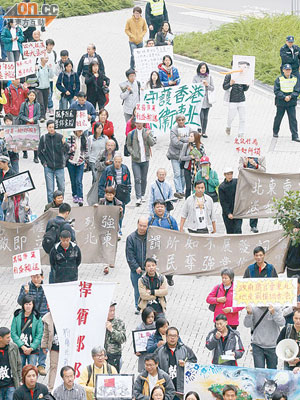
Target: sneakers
<point>80,201</point>
<point>25,154</point>
<point>275,134</point>
<point>177,195</point>
<point>254,230</point>
<point>170,280</point>
<point>36,160</point>
<point>51,112</point>
<point>204,135</point>
<point>138,202</point>
<point>143,199</point>
<point>41,370</point>
<point>227,130</point>
<point>137,312</point>
<point>75,199</point>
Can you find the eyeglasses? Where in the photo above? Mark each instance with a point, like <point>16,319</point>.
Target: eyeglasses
<point>172,336</point>
<point>99,355</point>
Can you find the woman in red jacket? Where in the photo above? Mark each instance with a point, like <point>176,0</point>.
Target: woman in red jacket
<point>222,295</point>
<point>108,126</point>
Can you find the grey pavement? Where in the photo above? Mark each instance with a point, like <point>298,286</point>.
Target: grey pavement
<point>186,308</point>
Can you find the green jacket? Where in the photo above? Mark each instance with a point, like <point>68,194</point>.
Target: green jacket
<point>6,39</point>
<point>37,330</point>
<point>15,363</point>
<point>133,145</point>
<point>212,183</point>
<point>115,339</point>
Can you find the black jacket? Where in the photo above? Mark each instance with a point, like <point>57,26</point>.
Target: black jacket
<point>51,151</point>
<point>290,57</point>
<point>157,19</point>
<point>64,264</point>
<point>227,195</point>
<point>66,226</point>
<point>280,96</point>
<point>23,393</point>
<point>83,66</point>
<point>136,251</point>
<point>141,388</point>
<point>237,94</point>
<point>95,87</point>
<point>293,257</point>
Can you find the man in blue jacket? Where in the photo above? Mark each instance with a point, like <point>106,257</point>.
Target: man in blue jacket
<point>260,269</point>
<point>82,104</point>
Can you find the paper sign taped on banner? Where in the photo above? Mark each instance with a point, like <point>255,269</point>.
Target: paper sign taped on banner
<point>25,67</point>
<point>82,122</point>
<point>34,49</point>
<point>21,137</point>
<point>146,113</point>
<point>247,147</point>
<point>262,292</point>
<point>7,71</point>
<point>26,264</point>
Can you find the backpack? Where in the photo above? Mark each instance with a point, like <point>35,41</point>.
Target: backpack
<point>51,236</point>
<point>269,270</point>
<point>168,219</point>
<point>89,368</point>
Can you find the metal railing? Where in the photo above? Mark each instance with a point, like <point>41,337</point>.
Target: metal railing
<point>295,4</point>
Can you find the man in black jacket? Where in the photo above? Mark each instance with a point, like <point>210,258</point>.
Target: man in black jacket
<point>290,54</point>
<point>286,89</point>
<point>136,244</point>
<point>227,191</point>
<point>155,13</point>
<point>84,62</point>
<point>51,152</point>
<point>65,258</point>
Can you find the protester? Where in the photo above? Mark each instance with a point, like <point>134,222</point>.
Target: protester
<point>227,192</point>
<point>115,336</point>
<point>135,29</point>
<point>291,331</point>
<point>168,74</point>
<point>224,342</point>
<point>154,81</point>
<point>159,338</point>
<point>153,288</point>
<point>192,396</point>
<point>68,84</point>
<point>190,157</point>
<point>173,356</point>
<point>152,376</point>
<point>65,258</point>
<point>165,36</point>
<point>110,199</point>
<point>15,94</point>
<point>292,261</point>
<point>44,76</point>
<point>161,217</point>
<point>97,85</point>
<point>130,93</point>
<point>85,61</point>
<point>60,66</point>
<point>229,392</point>
<point>50,344</point>
<point>150,43</point>
<point>260,269</point>
<point>52,58</point>
<point>69,390</point>
<point>51,152</point>
<point>139,144</point>
<point>136,255</point>
<point>198,212</point>
<point>16,208</point>
<point>160,190</point>
<point>203,76</point>
<point>81,104</point>
<point>148,317</point>
<point>158,393</point>
<point>58,199</point>
<point>210,178</point>
<point>12,38</point>
<point>5,173</point>
<point>11,362</point>
<point>265,323</point>
<point>108,127</point>
<point>100,366</point>
<point>30,389</point>
<point>221,297</point>
<point>77,156</point>
<point>155,13</point>
<point>13,155</point>
<point>286,90</point>
<point>290,54</point>
<point>96,146</point>
<point>27,331</point>
<point>259,164</point>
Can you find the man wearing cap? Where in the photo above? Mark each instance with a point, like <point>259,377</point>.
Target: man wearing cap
<point>286,89</point>
<point>210,178</point>
<point>290,54</point>
<point>5,173</point>
<point>227,191</point>
<point>114,338</point>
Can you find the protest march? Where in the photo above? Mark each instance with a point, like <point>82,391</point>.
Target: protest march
<point>149,236</point>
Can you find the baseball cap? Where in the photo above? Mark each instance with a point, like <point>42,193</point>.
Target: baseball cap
<point>290,38</point>
<point>204,160</point>
<point>113,303</point>
<point>287,66</point>
<point>4,159</point>
<point>228,169</point>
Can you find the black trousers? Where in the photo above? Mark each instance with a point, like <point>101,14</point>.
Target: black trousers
<point>114,360</point>
<point>232,225</point>
<point>291,112</point>
<point>188,182</point>
<point>156,22</point>
<point>42,97</point>
<point>204,119</point>
<point>253,222</point>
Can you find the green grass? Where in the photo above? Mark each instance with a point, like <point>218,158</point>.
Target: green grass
<point>71,8</point>
<point>259,37</point>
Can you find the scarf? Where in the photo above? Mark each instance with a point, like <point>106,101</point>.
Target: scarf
<point>168,69</point>
<point>17,200</point>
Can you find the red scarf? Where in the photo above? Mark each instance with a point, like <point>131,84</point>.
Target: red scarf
<point>17,200</point>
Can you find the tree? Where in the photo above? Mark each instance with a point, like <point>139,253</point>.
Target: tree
<point>288,215</point>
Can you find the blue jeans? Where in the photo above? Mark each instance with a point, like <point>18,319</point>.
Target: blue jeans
<point>140,172</point>
<point>31,359</point>
<point>42,358</point>
<point>64,103</point>
<point>15,166</point>
<point>50,175</point>
<point>132,47</point>
<point>1,212</point>
<point>134,277</point>
<point>50,101</point>
<point>262,356</point>
<point>179,181</point>
<point>3,57</point>
<point>6,393</point>
<point>76,175</point>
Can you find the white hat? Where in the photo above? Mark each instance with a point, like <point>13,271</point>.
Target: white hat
<point>228,169</point>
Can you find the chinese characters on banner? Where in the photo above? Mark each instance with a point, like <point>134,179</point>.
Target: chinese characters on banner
<point>183,254</point>
<point>7,71</point>
<point>146,113</point>
<point>147,60</point>
<point>21,137</point>
<point>34,49</point>
<point>170,101</point>
<point>247,147</point>
<point>26,264</point>
<point>262,292</point>
<point>82,122</point>
<point>96,231</point>
<point>65,119</point>
<point>255,192</point>
<point>80,324</point>
<point>25,67</point>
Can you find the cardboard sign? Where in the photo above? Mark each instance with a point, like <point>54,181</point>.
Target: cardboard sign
<point>7,71</point>
<point>18,184</point>
<point>25,67</point>
<point>82,122</point>
<point>140,339</point>
<point>247,147</point>
<point>26,264</point>
<point>109,386</point>
<point>21,137</point>
<point>34,49</point>
<point>146,113</point>
<point>65,119</point>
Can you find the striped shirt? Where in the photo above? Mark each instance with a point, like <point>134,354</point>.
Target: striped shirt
<point>76,393</point>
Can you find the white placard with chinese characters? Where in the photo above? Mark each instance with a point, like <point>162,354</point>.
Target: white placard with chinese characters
<point>7,71</point>
<point>34,49</point>
<point>82,122</point>
<point>247,147</point>
<point>26,264</point>
<point>146,113</point>
<point>81,322</point>
<point>25,67</point>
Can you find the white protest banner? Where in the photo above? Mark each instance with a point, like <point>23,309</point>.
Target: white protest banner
<point>146,113</point>
<point>79,311</point>
<point>262,292</point>
<point>245,69</point>
<point>25,67</point>
<point>170,101</point>
<point>247,147</point>
<point>82,122</point>
<point>7,71</point>
<point>26,264</point>
<point>34,49</point>
<point>147,60</point>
